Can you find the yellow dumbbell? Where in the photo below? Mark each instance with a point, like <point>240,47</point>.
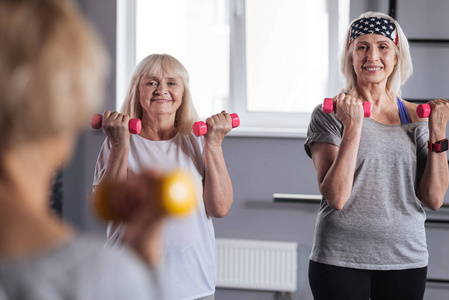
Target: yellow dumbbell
<point>173,193</point>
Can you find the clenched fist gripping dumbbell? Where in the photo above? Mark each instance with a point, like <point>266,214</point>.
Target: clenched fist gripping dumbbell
<point>134,125</point>
<point>329,105</point>
<point>200,128</point>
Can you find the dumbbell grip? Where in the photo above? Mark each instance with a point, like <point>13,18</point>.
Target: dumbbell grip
<point>200,128</point>
<point>423,110</point>
<point>134,125</point>
<point>329,105</point>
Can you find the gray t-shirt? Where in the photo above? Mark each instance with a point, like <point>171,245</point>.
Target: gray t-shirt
<point>381,227</point>
<point>79,269</point>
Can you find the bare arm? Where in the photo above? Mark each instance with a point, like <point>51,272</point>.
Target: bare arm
<point>335,166</point>
<point>218,194</point>
<point>435,179</point>
<point>144,225</point>
<point>115,126</point>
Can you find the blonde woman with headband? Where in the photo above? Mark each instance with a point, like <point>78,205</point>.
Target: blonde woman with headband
<point>159,95</point>
<point>375,174</point>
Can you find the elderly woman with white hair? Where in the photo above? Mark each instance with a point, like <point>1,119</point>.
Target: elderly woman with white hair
<point>375,174</point>
<point>159,95</point>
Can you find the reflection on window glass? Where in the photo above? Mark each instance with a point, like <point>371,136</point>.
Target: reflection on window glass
<point>196,32</point>
<point>286,54</point>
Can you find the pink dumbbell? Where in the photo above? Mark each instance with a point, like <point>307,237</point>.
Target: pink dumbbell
<point>200,128</point>
<point>134,125</point>
<point>329,105</point>
<point>423,110</point>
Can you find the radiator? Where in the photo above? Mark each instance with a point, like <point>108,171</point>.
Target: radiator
<point>256,265</point>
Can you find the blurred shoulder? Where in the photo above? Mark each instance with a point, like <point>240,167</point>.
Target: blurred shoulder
<point>118,271</point>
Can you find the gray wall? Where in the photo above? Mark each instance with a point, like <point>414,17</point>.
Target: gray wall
<point>78,175</point>
<point>260,167</point>
<point>424,19</point>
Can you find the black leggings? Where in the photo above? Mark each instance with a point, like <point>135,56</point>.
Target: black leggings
<point>338,283</point>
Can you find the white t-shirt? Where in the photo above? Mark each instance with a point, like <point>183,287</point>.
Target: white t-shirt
<point>78,269</point>
<point>189,243</point>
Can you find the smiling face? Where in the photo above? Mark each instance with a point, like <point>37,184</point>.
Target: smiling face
<point>161,94</point>
<point>373,59</point>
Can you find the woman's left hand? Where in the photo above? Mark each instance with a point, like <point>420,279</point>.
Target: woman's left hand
<point>439,117</point>
<point>217,127</point>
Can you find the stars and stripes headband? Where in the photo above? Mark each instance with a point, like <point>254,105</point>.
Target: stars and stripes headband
<point>375,25</point>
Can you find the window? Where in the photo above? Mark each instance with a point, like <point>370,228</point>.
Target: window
<point>267,60</point>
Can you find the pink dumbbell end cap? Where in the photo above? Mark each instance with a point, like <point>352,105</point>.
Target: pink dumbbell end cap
<point>95,121</point>
<point>135,125</point>
<point>328,105</point>
<point>423,110</point>
<point>235,120</point>
<point>367,109</point>
<point>199,128</point>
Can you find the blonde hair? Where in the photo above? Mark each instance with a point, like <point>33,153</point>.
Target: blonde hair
<point>158,64</point>
<point>402,70</point>
<point>52,70</point>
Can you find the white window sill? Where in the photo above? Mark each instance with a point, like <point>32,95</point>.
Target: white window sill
<point>266,132</point>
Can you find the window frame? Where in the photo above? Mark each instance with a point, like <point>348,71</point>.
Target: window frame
<point>253,124</point>
<point>125,48</point>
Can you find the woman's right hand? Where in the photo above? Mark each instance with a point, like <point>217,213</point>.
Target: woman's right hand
<point>349,110</point>
<point>115,126</point>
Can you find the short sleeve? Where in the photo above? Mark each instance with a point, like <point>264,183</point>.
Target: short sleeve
<point>196,146</point>
<point>323,128</point>
<point>102,162</point>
